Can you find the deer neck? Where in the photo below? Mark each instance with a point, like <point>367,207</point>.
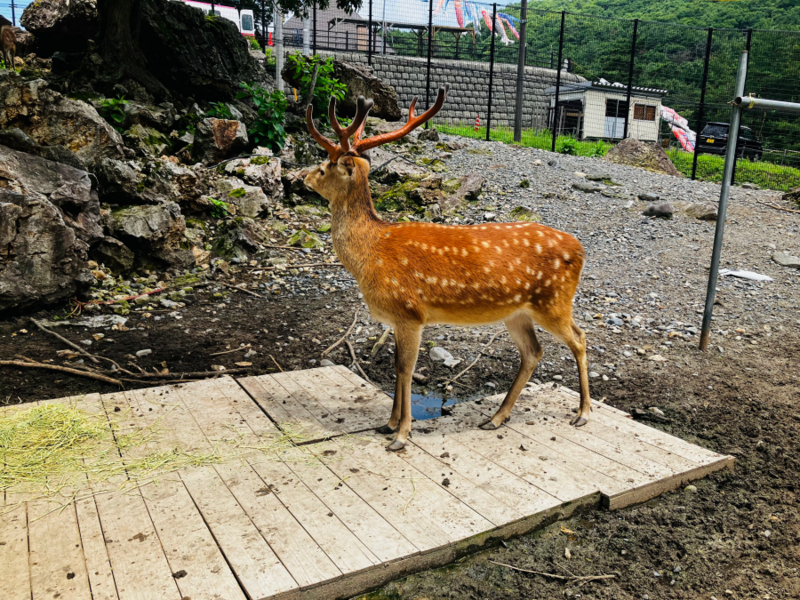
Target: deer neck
<point>355,227</point>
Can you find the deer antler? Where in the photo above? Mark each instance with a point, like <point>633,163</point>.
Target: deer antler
<point>356,128</point>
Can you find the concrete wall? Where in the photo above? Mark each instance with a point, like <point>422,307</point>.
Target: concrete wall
<point>469,87</point>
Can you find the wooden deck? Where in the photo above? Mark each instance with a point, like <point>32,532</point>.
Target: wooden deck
<point>336,515</point>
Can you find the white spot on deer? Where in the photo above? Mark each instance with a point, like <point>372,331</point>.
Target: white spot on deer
<point>431,280</point>
<point>418,275</point>
<point>379,261</point>
<point>518,297</point>
<point>556,264</point>
<point>538,291</point>
<point>424,246</point>
<point>464,252</point>
<point>487,270</point>
<point>394,281</point>
<point>403,261</point>
<point>409,305</point>
<point>539,275</point>
<point>516,241</point>
<point>559,236</point>
<point>551,242</point>
<point>566,256</point>
<point>447,248</point>
<point>505,243</point>
<point>518,261</point>
<point>526,243</point>
<point>503,279</point>
<point>484,228</point>
<point>539,248</point>
<point>476,285</point>
<point>540,232</point>
<point>485,244</point>
<point>499,249</point>
<point>527,285</point>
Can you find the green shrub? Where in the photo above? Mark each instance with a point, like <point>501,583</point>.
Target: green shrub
<point>267,130</point>
<point>567,145</point>
<point>113,110</point>
<point>254,45</point>
<point>327,85</point>
<point>220,110</point>
<point>219,209</point>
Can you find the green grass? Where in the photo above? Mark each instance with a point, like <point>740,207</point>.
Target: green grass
<point>764,174</point>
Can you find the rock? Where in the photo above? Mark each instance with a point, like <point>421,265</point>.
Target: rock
<point>521,213</point>
<point>53,120</point>
<point>237,238</point>
<point>648,197</point>
<point>305,239</point>
<point>59,25</point>
<point>586,186</point>
<point>17,139</point>
<point>156,231</point>
<point>395,171</point>
<point>750,186</point>
<point>489,216</point>
<point>439,354</point>
<point>141,353</point>
<point>786,260</point>
<point>115,255</point>
<point>243,200</point>
<point>664,210</point>
<point>793,196</point>
<point>218,139</point>
<point>326,363</point>
<point>594,374</point>
<point>161,117</point>
<point>656,411</point>
<point>636,153</point>
<point>428,135</point>
<point>147,141</point>
<point>702,211</point>
<point>360,81</point>
<point>656,358</point>
<point>601,176</point>
<point>119,183</point>
<point>175,182</point>
<point>690,489</point>
<point>265,173</point>
<point>49,214</point>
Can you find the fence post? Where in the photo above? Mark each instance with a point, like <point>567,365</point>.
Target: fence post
<point>701,112</point>
<point>491,73</point>
<point>277,20</point>
<point>558,79</point>
<point>727,179</point>
<point>314,33</point>
<point>428,69</point>
<point>748,42</point>
<point>369,35</point>
<point>523,42</point>
<point>630,78</point>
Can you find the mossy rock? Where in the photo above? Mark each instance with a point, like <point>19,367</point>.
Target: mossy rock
<point>525,184</point>
<point>434,164</point>
<point>399,198</point>
<point>278,226</point>
<point>305,239</point>
<point>451,186</point>
<point>260,160</point>
<point>520,213</point>
<point>309,210</point>
<point>185,280</point>
<point>237,193</point>
<point>324,228</point>
<point>479,151</point>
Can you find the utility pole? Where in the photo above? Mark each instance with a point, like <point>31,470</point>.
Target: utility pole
<point>523,42</point>
<point>13,14</point>
<point>278,24</point>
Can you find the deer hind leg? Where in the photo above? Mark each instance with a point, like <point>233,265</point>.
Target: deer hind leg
<point>575,339</point>
<point>394,419</point>
<point>407,338</point>
<point>522,329</point>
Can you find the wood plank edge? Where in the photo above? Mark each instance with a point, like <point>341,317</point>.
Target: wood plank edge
<point>367,580</point>
<point>649,491</point>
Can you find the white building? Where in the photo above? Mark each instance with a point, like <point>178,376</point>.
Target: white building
<point>596,110</point>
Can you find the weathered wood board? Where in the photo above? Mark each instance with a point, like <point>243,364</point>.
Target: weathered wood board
<point>303,501</point>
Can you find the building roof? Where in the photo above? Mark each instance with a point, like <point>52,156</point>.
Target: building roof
<point>606,86</point>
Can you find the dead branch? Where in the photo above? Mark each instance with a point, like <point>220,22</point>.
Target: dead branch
<point>472,364</point>
<point>776,207</point>
<point>245,347</point>
<point>283,247</point>
<point>238,289</point>
<point>276,363</point>
<point>65,340</point>
<point>344,337</point>
<point>583,579</point>
<point>355,360</point>
<point>38,365</point>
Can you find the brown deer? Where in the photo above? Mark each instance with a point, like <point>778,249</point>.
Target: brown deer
<point>8,41</point>
<point>415,274</point>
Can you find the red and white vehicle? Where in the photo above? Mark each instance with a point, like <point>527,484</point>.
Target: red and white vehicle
<point>244,19</point>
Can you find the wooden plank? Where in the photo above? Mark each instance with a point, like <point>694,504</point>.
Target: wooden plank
<point>309,400</point>
<point>255,418</point>
<point>383,540</point>
<point>395,488</point>
<point>188,544</point>
<point>344,549</point>
<point>281,407</point>
<point>15,584</point>
<point>297,550</point>
<point>98,563</point>
<point>257,567</point>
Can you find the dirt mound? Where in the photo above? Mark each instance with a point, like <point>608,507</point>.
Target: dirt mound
<point>637,153</point>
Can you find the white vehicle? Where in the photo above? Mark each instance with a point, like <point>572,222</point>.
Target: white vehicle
<point>244,20</point>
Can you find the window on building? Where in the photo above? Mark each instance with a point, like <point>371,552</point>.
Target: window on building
<point>616,108</point>
<point>642,112</point>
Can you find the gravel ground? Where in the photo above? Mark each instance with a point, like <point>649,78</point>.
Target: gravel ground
<point>640,302</point>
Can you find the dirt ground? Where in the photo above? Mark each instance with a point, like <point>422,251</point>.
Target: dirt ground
<point>736,536</point>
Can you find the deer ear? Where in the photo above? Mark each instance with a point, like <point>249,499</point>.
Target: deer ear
<point>348,163</point>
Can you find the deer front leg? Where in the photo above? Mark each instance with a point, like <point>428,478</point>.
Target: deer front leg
<point>407,338</point>
<point>394,419</point>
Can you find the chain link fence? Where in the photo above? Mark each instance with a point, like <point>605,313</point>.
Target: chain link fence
<point>588,81</point>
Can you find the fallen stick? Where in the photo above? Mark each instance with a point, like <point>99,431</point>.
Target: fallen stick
<point>229,351</point>
<point>38,365</point>
<point>196,374</point>
<point>276,363</point>
<point>355,360</point>
<point>344,337</point>
<point>238,289</point>
<point>776,207</point>
<point>283,247</point>
<point>584,578</point>
<point>472,364</point>
<point>66,341</point>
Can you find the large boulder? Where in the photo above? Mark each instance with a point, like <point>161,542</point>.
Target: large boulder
<point>218,139</point>
<point>636,153</point>
<point>51,119</point>
<point>242,199</point>
<point>17,139</point>
<point>49,215</point>
<point>360,81</point>
<point>60,24</point>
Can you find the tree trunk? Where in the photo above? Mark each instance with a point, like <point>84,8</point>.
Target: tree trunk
<point>119,43</point>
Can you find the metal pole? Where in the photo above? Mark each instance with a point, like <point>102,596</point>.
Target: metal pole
<point>747,103</point>
<point>701,112</point>
<point>630,79</point>
<point>730,159</point>
<point>212,9</point>
<point>13,14</point>
<point>748,41</point>
<point>558,79</point>
<point>430,48</point>
<point>264,32</point>
<point>523,42</point>
<point>491,74</point>
<point>278,25</point>
<point>383,29</point>
<point>314,31</point>
<point>369,35</point>
<point>306,36</point>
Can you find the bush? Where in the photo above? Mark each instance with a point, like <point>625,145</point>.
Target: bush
<point>254,45</point>
<point>267,130</point>
<point>567,145</point>
<point>220,110</point>
<point>113,110</point>
<point>219,208</point>
<point>327,85</point>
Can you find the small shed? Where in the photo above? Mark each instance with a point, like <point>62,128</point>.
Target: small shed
<point>597,109</point>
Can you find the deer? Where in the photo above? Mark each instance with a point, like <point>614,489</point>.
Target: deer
<point>8,42</point>
<point>418,273</point>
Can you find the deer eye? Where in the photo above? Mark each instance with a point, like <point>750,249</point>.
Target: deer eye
<point>321,172</point>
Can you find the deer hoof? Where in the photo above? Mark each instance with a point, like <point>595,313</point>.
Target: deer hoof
<point>395,446</point>
<point>579,421</point>
<point>385,429</point>
<point>488,426</point>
